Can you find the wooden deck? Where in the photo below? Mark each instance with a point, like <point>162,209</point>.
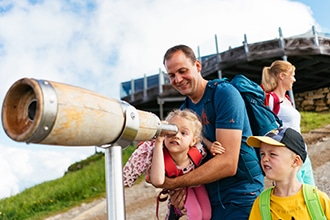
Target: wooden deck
<point>309,53</point>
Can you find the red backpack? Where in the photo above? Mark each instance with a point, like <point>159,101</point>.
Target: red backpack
<point>170,168</point>
<point>277,102</point>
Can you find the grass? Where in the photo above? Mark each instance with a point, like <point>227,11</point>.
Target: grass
<point>85,181</point>
<point>313,120</point>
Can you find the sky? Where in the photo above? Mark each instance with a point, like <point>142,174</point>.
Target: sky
<point>96,45</point>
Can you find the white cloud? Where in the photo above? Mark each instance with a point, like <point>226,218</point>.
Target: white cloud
<point>77,44</point>
<point>98,44</point>
<point>24,167</point>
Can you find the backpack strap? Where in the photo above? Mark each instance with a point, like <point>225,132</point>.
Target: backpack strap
<point>208,93</point>
<point>264,204</point>
<point>313,203</point>
<point>207,100</point>
<point>311,198</point>
<point>195,155</point>
<point>277,101</point>
<point>170,167</point>
<point>174,212</point>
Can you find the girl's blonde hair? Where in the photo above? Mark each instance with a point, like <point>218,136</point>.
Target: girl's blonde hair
<point>190,116</point>
<point>269,74</point>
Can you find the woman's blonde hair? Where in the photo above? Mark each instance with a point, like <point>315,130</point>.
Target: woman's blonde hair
<point>269,74</point>
<point>190,116</point>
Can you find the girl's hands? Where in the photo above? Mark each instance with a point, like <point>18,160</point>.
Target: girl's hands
<point>216,148</point>
<point>160,139</point>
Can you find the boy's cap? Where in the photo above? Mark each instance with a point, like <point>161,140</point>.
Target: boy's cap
<point>282,137</point>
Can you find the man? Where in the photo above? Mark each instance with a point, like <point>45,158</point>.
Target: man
<point>233,179</point>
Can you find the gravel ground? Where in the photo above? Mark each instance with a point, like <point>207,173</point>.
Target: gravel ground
<point>140,199</point>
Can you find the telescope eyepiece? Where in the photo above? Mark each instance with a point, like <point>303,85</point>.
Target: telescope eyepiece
<point>32,108</point>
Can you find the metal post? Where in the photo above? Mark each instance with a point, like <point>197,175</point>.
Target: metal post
<point>161,81</point>
<point>246,46</point>
<point>114,183</point>
<point>282,44</point>
<point>285,58</point>
<point>145,86</point>
<point>199,54</point>
<point>132,89</point>
<point>316,39</point>
<point>161,110</point>
<point>218,56</point>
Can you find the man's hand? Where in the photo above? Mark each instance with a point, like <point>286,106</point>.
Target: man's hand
<point>178,198</point>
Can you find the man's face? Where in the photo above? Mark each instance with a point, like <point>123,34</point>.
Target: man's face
<point>183,73</point>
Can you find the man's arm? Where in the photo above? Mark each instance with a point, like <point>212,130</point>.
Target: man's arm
<point>218,167</point>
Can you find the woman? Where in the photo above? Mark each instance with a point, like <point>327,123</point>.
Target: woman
<point>277,79</point>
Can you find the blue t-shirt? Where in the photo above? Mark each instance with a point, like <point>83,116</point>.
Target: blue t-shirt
<point>228,112</point>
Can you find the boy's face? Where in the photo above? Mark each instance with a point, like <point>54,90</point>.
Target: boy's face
<point>278,163</point>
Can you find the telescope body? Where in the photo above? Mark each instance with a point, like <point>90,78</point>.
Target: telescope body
<point>46,112</point>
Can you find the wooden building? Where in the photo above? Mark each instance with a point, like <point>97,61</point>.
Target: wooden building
<point>309,52</point>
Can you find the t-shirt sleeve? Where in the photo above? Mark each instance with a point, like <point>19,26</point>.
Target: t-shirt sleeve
<point>230,107</point>
<point>255,211</point>
<point>325,203</point>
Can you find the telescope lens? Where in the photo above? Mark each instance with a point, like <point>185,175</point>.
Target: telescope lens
<point>32,110</point>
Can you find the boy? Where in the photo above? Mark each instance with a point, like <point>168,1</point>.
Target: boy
<point>282,154</point>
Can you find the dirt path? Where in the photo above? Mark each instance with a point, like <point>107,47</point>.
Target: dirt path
<point>140,200</point>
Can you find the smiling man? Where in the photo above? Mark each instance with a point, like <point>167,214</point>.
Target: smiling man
<point>234,179</point>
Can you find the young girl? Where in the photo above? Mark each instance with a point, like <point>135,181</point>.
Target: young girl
<point>150,155</point>
<point>197,204</point>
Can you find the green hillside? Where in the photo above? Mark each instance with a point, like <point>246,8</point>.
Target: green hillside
<point>83,182</point>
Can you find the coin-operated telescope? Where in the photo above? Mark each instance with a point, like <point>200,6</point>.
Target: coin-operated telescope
<point>45,112</point>
<point>51,113</point>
